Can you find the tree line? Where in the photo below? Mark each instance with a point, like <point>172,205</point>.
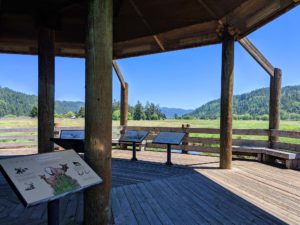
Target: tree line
<point>149,111</point>
<point>13,103</point>
<point>137,112</point>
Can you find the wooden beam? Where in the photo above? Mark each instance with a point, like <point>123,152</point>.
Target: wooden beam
<point>124,95</point>
<point>257,55</point>
<point>46,70</point>
<point>149,28</point>
<point>274,105</point>
<point>98,119</point>
<point>124,105</point>
<point>208,9</point>
<point>226,100</point>
<point>119,74</point>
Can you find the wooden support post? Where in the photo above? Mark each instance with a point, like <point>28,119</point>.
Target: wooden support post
<point>98,119</point>
<point>274,105</point>
<point>46,63</point>
<point>185,143</point>
<point>124,105</point>
<point>53,212</point>
<point>124,111</point>
<point>226,100</point>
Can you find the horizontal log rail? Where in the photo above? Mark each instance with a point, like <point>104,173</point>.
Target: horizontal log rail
<point>197,139</point>
<point>27,137</point>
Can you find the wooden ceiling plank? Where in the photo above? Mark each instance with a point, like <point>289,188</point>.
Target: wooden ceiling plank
<point>208,9</point>
<point>140,14</point>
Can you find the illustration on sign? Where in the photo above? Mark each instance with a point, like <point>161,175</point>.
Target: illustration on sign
<point>58,180</point>
<point>45,177</point>
<point>72,134</point>
<point>80,169</point>
<point>134,136</point>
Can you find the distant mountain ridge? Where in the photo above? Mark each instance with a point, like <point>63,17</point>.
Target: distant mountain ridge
<point>171,112</point>
<point>254,105</point>
<point>20,104</point>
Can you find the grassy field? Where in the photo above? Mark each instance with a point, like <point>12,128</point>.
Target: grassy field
<point>244,124</point>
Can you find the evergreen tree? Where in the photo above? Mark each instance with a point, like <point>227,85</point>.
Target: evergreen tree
<point>3,108</point>
<point>139,111</point>
<point>81,112</point>
<point>34,112</point>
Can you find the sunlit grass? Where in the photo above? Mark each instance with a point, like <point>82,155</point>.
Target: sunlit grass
<point>240,124</point>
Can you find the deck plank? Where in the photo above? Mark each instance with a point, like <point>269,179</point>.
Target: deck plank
<point>139,213</point>
<point>148,211</point>
<point>125,206</point>
<point>166,206</point>
<point>193,191</point>
<point>160,213</point>
<point>198,204</point>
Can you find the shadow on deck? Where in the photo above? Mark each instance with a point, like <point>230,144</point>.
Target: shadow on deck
<point>194,191</point>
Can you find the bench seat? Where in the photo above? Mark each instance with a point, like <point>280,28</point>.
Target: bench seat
<point>292,160</point>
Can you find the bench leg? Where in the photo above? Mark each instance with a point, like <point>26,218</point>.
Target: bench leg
<point>259,157</point>
<point>289,163</point>
<point>292,163</point>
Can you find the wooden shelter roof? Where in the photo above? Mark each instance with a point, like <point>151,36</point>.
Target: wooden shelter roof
<point>140,26</point>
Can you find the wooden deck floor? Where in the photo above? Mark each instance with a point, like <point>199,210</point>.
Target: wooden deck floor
<point>193,191</point>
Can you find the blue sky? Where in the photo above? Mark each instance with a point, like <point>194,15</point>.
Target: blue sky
<point>182,79</point>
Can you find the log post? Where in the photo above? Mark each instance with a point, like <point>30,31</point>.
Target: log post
<point>226,100</point>
<point>274,105</point>
<point>124,105</point>
<point>46,70</point>
<point>124,111</point>
<point>185,143</point>
<point>98,114</point>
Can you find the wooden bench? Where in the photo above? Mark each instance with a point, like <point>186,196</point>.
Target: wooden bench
<point>291,160</point>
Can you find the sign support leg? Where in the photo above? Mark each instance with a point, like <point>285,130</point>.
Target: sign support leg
<point>169,163</point>
<point>53,212</point>
<point>134,152</point>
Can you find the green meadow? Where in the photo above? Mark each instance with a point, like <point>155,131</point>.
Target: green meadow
<point>241,124</point>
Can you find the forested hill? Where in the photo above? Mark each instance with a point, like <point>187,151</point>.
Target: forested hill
<point>20,104</point>
<point>254,105</point>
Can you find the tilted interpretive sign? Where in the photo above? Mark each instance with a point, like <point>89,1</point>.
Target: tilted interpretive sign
<point>173,138</point>
<point>134,136</point>
<point>72,134</point>
<point>49,176</point>
<point>71,139</point>
<point>169,138</point>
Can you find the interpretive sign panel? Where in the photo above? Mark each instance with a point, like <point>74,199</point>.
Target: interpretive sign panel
<point>75,144</point>
<point>134,136</point>
<point>173,138</point>
<point>45,177</point>
<point>72,134</point>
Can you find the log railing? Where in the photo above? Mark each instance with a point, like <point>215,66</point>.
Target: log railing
<point>197,139</point>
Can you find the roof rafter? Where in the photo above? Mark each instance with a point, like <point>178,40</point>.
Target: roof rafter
<point>137,10</point>
<point>208,9</point>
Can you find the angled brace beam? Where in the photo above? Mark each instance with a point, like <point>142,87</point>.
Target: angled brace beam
<point>257,55</point>
<point>119,74</point>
